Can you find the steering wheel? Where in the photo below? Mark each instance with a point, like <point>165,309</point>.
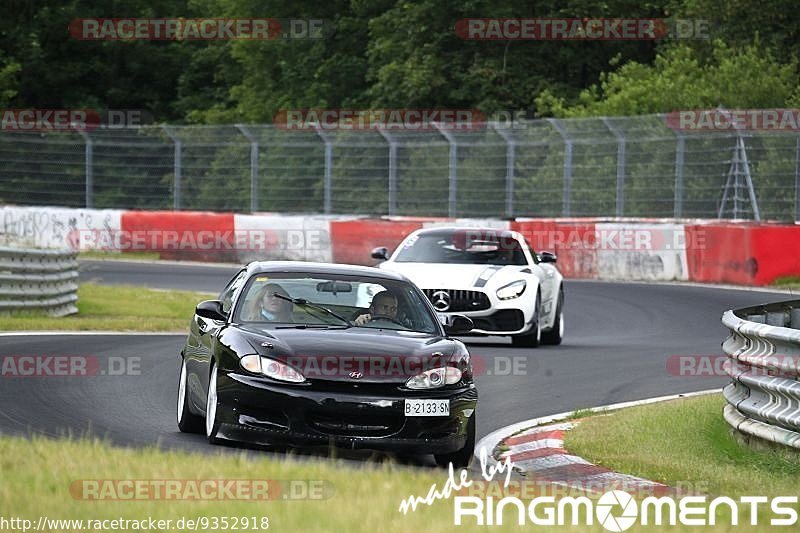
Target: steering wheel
<point>375,318</point>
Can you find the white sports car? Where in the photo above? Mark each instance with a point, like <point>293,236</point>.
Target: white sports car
<point>490,275</point>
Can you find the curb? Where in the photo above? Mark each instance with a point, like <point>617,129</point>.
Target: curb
<point>539,452</point>
<point>545,424</point>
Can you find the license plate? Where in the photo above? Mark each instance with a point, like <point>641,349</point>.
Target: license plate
<point>427,407</point>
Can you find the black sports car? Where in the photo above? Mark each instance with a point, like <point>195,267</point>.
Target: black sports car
<point>299,353</point>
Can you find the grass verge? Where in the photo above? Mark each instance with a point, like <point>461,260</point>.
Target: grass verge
<point>684,443</point>
<point>136,255</point>
<point>52,478</point>
<point>43,477</point>
<point>115,308</point>
<point>787,282</point>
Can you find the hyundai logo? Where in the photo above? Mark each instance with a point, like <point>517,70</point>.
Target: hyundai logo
<point>441,300</point>
<point>356,375</point>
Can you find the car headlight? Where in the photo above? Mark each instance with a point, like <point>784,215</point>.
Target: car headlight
<point>435,378</point>
<point>512,290</point>
<point>251,363</point>
<point>271,368</point>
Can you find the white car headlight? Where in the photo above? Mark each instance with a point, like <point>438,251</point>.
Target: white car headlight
<point>512,290</point>
<point>271,368</point>
<point>435,378</point>
<point>251,363</point>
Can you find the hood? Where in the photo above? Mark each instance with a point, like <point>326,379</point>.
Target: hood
<point>380,355</point>
<point>451,276</point>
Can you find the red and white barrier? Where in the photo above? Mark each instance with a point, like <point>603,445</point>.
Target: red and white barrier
<point>743,254</point>
<point>180,234</point>
<point>646,249</point>
<point>55,227</point>
<point>295,238</point>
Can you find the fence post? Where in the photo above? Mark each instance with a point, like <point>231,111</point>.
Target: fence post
<point>510,167</point>
<point>177,167</point>
<point>680,151</point>
<point>452,171</point>
<point>326,184</point>
<point>566,208</point>
<point>749,181</point>
<point>392,170</point>
<point>797,180</point>
<point>89,167</point>
<point>620,136</point>
<point>253,167</point>
<point>740,168</point>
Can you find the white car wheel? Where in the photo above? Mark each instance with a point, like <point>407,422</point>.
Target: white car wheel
<point>188,422</point>
<point>556,333</point>
<point>211,406</point>
<point>181,392</point>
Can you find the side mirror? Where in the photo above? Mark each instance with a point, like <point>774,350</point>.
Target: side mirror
<point>211,309</point>
<point>458,324</point>
<point>547,257</point>
<point>380,253</point>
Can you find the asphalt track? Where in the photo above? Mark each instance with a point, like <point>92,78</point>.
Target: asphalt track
<point>619,337</point>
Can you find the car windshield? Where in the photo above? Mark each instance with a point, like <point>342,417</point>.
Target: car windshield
<point>319,300</point>
<point>462,247</point>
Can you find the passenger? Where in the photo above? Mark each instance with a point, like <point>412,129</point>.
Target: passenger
<point>383,306</point>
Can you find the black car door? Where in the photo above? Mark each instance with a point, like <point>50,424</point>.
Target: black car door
<point>201,342</point>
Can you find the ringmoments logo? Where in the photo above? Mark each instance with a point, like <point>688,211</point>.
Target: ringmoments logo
<point>619,500</point>
<point>618,511</point>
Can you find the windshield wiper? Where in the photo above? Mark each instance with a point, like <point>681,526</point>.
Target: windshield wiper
<point>308,326</point>
<point>312,305</point>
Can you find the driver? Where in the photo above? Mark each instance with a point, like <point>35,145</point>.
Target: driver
<point>268,307</point>
<point>384,305</point>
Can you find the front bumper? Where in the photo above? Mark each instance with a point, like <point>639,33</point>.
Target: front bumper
<point>262,411</point>
<point>495,316</point>
<point>499,322</point>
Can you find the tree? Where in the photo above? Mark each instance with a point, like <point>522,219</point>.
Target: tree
<point>747,78</point>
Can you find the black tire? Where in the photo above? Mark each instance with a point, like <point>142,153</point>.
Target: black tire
<point>188,422</point>
<point>531,340</point>
<point>556,334</point>
<point>460,458</point>
<point>211,422</point>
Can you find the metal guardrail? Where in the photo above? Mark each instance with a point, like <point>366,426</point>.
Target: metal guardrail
<point>45,280</point>
<point>763,351</point>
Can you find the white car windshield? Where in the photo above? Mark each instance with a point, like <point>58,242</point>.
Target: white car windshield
<point>291,299</point>
<point>462,247</point>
